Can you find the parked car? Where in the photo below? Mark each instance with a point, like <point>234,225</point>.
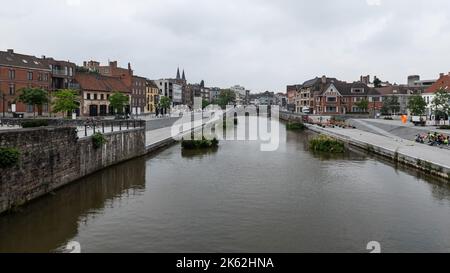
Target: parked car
<point>419,120</point>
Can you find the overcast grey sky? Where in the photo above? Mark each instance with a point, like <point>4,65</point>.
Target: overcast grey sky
<point>261,44</point>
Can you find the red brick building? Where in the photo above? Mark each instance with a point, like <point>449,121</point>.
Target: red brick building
<point>95,90</point>
<point>19,71</point>
<point>339,98</point>
<point>136,84</point>
<point>138,95</point>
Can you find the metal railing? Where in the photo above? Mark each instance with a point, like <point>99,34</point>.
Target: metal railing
<point>90,127</point>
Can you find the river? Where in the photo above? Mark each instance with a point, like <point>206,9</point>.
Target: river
<point>239,199</point>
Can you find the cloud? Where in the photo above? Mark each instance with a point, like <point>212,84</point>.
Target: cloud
<point>261,44</point>
<point>373,2</point>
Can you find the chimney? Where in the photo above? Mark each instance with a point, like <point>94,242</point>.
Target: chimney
<point>441,75</point>
<point>10,51</point>
<point>85,64</point>
<point>43,57</point>
<point>324,79</point>
<point>129,66</point>
<point>113,64</point>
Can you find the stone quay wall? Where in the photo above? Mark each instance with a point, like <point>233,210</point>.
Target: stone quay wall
<point>51,157</point>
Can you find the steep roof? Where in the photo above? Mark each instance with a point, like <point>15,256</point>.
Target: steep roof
<point>400,90</point>
<point>9,58</point>
<point>97,82</point>
<point>443,82</point>
<point>345,89</point>
<point>152,84</point>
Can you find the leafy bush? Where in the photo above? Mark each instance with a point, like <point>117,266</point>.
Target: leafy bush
<point>298,126</point>
<point>98,140</point>
<point>9,157</point>
<point>445,127</point>
<point>199,144</point>
<point>388,118</point>
<point>35,123</point>
<point>326,144</point>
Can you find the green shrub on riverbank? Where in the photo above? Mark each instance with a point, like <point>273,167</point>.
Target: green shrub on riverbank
<point>35,123</point>
<point>297,126</point>
<point>444,127</point>
<point>199,144</point>
<point>326,144</point>
<point>9,157</point>
<point>98,139</point>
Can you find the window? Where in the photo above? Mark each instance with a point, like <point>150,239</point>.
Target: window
<point>102,97</point>
<point>107,97</point>
<point>71,71</point>
<point>331,109</point>
<point>331,99</point>
<point>40,77</point>
<point>12,89</point>
<point>88,96</point>
<point>30,76</point>
<point>95,96</point>
<point>12,74</point>
<point>29,108</point>
<point>46,77</point>
<point>358,90</point>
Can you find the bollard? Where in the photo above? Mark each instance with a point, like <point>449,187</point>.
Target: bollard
<point>103,127</point>
<point>85,130</point>
<point>112,127</point>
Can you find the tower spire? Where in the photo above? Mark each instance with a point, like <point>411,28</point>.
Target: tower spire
<point>184,76</point>
<point>178,73</point>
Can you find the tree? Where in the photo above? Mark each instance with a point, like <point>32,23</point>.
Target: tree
<point>226,97</point>
<point>390,105</point>
<point>377,82</point>
<point>165,103</point>
<point>34,97</point>
<point>363,105</point>
<point>417,105</point>
<point>66,101</point>
<point>118,101</point>
<point>205,104</point>
<point>440,103</point>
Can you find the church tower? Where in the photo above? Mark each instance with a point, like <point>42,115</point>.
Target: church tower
<point>178,74</point>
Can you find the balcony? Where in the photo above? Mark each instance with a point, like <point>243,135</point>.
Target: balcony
<point>60,72</point>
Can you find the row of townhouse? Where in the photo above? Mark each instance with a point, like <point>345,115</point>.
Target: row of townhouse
<point>333,97</point>
<point>93,82</point>
<point>330,96</point>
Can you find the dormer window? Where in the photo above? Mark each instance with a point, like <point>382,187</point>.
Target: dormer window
<point>357,90</point>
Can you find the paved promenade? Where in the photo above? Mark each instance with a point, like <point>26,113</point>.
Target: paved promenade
<point>394,128</point>
<point>410,150</point>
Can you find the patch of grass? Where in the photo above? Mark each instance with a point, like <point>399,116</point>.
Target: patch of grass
<point>199,144</point>
<point>297,126</point>
<point>9,157</point>
<point>326,144</point>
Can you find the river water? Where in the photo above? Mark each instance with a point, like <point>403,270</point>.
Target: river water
<point>239,199</point>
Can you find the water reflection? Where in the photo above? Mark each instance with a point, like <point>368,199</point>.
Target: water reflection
<point>49,222</point>
<point>200,153</point>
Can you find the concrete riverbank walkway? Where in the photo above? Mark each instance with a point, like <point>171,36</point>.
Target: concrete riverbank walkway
<point>409,152</point>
